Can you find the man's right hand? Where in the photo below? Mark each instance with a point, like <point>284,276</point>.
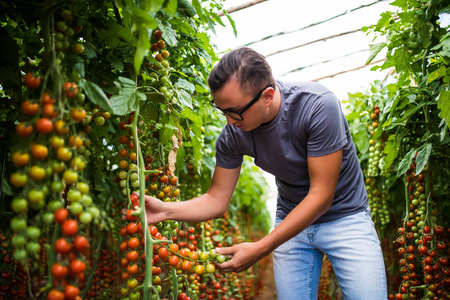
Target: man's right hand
<point>154,209</point>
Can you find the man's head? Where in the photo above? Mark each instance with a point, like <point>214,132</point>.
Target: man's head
<point>249,68</point>
<point>243,88</point>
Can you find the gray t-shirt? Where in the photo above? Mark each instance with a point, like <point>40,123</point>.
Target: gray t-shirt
<point>310,122</point>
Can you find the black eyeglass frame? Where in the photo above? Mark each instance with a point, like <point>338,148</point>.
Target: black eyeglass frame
<point>228,112</point>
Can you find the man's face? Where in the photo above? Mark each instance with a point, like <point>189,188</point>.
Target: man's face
<point>232,102</point>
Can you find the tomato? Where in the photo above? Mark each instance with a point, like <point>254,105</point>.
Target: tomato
<point>62,246</point>
<point>55,295</point>
<point>59,271</point>
<point>61,215</point>
<point>124,139</point>
<point>56,142</point>
<point>48,110</point>
<point>163,252</point>
<point>19,205</point>
<point>161,44</point>
<point>78,114</point>
<point>133,243</point>
<point>64,154</point>
<point>199,270</point>
<point>438,229</point>
<point>61,127</point>
<point>100,121</point>
<point>20,159</point>
<point>71,89</point>
<point>210,268</point>
<point>132,255</point>
<point>186,265</point>
<point>174,260</point>
<point>123,152</point>
<point>157,34</point>
<point>37,173</point>
<point>39,151</point>
<point>132,228</point>
<point>69,227</point>
<point>18,179</point>
<point>130,216</point>
<point>77,164</point>
<point>132,269</point>
<point>77,267</point>
<point>31,81</point>
<point>78,48</point>
<point>24,130</point>
<point>35,196</point>
<point>173,180</point>
<point>71,292</point>
<point>29,108</point>
<point>44,125</point>
<point>165,54</point>
<point>47,99</point>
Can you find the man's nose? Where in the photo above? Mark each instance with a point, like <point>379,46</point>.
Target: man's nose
<point>230,120</point>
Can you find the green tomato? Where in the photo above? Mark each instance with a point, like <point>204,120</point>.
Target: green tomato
<point>33,248</point>
<point>18,241</point>
<point>18,224</point>
<point>85,217</point>
<point>54,205</point>
<point>35,196</point>
<point>20,254</point>
<point>100,121</point>
<point>86,200</point>
<point>83,187</point>
<point>33,233</point>
<point>73,195</point>
<point>76,208</point>
<point>220,258</point>
<point>19,205</point>
<point>48,218</point>
<point>57,186</point>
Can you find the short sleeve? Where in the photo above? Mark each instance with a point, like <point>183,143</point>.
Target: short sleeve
<point>227,154</point>
<point>326,128</point>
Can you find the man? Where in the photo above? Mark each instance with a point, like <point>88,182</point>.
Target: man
<point>298,133</point>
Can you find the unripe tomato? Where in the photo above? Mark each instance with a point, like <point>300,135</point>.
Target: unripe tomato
<point>78,48</point>
<point>39,151</point>
<point>20,159</point>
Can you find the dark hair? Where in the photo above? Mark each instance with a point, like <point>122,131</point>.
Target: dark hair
<point>247,66</point>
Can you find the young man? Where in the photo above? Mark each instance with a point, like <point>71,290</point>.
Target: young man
<point>298,133</point>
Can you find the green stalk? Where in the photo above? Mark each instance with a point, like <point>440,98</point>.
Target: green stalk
<point>148,284</point>
<point>91,276</point>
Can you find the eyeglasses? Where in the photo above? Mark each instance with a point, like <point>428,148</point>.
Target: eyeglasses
<point>238,115</point>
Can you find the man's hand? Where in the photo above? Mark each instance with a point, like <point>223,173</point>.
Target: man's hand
<point>243,256</point>
<point>153,209</point>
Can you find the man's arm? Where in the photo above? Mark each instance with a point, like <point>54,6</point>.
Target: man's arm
<point>323,175</point>
<point>210,205</point>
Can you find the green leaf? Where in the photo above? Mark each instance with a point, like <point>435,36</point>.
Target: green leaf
<point>185,99</point>
<point>444,106</point>
<point>422,157</point>
<point>168,33</point>
<point>406,162</point>
<point>436,74</point>
<point>189,114</point>
<point>125,82</point>
<point>383,22</point>
<point>142,48</point>
<point>185,85</point>
<point>171,7</point>
<point>425,34</point>
<point>391,151</point>
<point>126,101</point>
<point>374,50</point>
<point>96,94</point>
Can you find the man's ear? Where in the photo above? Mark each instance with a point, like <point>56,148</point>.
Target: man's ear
<point>268,96</point>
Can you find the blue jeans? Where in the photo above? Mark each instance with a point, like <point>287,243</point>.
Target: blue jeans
<point>353,248</point>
